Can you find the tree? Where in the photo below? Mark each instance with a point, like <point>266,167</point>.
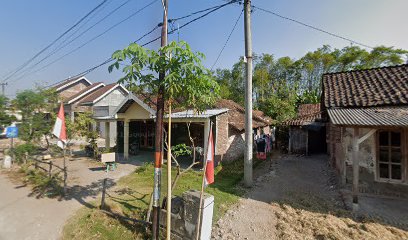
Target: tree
<point>187,80</point>
<point>280,85</point>
<point>5,119</point>
<point>83,127</point>
<point>38,113</point>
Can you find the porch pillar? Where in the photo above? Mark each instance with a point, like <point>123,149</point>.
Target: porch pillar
<point>126,139</point>
<point>356,168</point>
<point>206,134</point>
<point>107,136</point>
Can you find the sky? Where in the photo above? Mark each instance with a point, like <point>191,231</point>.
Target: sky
<point>29,26</point>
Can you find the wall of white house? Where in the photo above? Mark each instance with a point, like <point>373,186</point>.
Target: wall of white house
<point>113,99</point>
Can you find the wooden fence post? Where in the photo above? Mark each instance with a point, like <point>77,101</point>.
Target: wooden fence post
<point>103,194</point>
<point>49,169</point>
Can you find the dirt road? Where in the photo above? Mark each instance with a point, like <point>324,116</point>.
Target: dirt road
<point>25,217</point>
<point>297,198</point>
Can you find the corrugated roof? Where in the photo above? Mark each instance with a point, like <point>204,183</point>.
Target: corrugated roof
<point>383,86</point>
<point>205,114</point>
<point>370,117</point>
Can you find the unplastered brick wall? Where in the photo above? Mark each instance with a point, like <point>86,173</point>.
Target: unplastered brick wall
<point>236,145</point>
<point>221,137</point>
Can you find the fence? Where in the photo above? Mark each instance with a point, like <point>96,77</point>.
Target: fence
<point>51,165</point>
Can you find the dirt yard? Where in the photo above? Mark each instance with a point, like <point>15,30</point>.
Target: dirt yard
<point>25,216</point>
<point>298,198</point>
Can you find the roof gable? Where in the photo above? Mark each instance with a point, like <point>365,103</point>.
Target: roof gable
<point>69,82</point>
<point>101,93</point>
<point>83,92</point>
<point>383,86</point>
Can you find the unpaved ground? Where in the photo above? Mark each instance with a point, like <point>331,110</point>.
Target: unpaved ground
<point>297,198</point>
<point>23,216</point>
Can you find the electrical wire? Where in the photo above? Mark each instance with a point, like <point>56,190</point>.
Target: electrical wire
<point>61,46</point>
<point>213,9</point>
<point>226,42</point>
<point>313,27</point>
<point>8,76</point>
<point>89,41</point>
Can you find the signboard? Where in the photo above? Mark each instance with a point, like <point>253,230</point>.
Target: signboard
<point>12,132</point>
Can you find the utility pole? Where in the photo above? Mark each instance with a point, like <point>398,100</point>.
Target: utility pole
<point>3,86</point>
<point>248,96</point>
<point>158,144</point>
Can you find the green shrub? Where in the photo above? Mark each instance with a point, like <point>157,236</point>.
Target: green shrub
<point>21,150</point>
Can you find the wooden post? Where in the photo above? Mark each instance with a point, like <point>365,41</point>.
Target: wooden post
<point>49,169</point>
<point>26,158</point>
<point>356,168</point>
<point>103,194</point>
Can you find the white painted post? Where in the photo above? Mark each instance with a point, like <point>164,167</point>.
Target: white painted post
<point>126,139</point>
<point>207,216</point>
<point>107,136</point>
<point>206,133</point>
<point>356,168</point>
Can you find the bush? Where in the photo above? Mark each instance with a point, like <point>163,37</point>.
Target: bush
<point>21,150</point>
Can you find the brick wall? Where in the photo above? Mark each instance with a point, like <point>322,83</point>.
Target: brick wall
<point>235,145</point>
<point>221,137</point>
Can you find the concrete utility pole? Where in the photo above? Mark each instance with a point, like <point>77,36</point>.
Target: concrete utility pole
<point>158,144</point>
<point>248,96</point>
<point>3,86</point>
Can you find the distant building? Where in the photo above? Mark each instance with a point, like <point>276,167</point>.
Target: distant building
<point>307,132</point>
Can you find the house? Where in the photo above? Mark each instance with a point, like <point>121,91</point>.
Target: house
<point>103,102</point>
<point>367,115</point>
<point>71,92</point>
<point>136,126</point>
<point>307,133</point>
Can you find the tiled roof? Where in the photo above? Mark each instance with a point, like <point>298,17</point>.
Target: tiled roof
<point>236,115</point>
<point>95,95</point>
<point>78,94</point>
<point>383,86</point>
<point>375,116</point>
<point>67,82</point>
<point>307,113</point>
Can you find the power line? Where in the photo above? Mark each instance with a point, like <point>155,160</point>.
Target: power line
<point>52,43</point>
<point>226,42</point>
<point>213,9</point>
<point>89,41</point>
<point>312,27</point>
<point>61,46</point>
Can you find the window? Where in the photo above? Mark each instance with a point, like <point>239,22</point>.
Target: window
<point>390,164</point>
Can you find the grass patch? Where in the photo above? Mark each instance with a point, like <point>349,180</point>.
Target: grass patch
<point>42,184</point>
<point>132,195</point>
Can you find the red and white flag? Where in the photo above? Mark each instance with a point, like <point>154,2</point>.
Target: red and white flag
<point>209,170</point>
<point>59,128</point>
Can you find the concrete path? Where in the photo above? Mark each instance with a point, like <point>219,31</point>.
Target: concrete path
<point>25,217</point>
